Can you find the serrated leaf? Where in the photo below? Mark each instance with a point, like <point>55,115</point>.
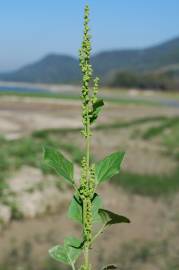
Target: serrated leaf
<point>110,267</point>
<point>68,253</point>
<point>109,166</point>
<point>59,163</point>
<point>75,211</point>
<point>110,218</point>
<point>96,110</point>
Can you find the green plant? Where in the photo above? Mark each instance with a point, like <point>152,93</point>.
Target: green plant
<point>86,205</point>
<point>151,185</point>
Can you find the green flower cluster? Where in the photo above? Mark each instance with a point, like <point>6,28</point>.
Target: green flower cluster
<point>83,189</point>
<point>87,71</point>
<point>92,181</point>
<point>86,191</point>
<point>88,221</point>
<point>95,90</point>
<point>87,182</point>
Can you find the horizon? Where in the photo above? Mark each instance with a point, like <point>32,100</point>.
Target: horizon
<point>56,29</point>
<point>103,51</point>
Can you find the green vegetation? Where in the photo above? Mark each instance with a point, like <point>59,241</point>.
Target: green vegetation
<point>157,130</point>
<point>155,80</point>
<point>170,140</point>
<point>136,122</point>
<point>149,185</point>
<point>76,96</point>
<point>63,95</point>
<point>116,125</point>
<point>86,205</point>
<point>27,151</point>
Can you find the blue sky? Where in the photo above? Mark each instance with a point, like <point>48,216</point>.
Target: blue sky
<point>31,29</point>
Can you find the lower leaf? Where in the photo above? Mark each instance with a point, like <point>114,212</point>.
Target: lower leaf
<point>75,210</point>
<point>69,252</point>
<point>58,253</point>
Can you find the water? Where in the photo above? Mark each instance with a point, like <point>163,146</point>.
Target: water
<point>170,103</point>
<point>23,89</point>
<point>36,90</point>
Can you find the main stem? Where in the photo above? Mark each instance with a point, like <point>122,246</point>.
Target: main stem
<point>88,168</point>
<point>85,182</point>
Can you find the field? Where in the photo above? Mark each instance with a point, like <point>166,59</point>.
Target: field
<point>33,200</point>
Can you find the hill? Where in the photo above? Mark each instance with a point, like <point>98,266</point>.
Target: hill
<point>56,68</point>
<point>148,59</point>
<point>53,68</point>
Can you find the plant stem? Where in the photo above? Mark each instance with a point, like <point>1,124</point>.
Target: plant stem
<point>87,177</point>
<point>86,258</point>
<point>71,263</point>
<point>87,76</point>
<point>88,146</point>
<point>73,266</point>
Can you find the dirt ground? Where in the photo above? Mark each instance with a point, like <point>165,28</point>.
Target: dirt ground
<point>152,220</point>
<point>19,117</point>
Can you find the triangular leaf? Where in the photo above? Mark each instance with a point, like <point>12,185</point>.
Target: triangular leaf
<point>109,166</point>
<point>96,110</point>
<point>59,163</point>
<point>72,241</point>
<point>68,253</point>
<point>110,267</point>
<point>72,245</point>
<point>110,218</point>
<point>96,205</point>
<point>58,253</point>
<point>75,211</point>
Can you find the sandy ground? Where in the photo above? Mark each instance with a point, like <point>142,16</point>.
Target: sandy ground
<point>152,220</point>
<point>19,117</point>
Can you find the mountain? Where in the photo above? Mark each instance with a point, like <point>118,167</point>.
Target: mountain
<point>53,68</point>
<point>56,68</point>
<point>137,60</point>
